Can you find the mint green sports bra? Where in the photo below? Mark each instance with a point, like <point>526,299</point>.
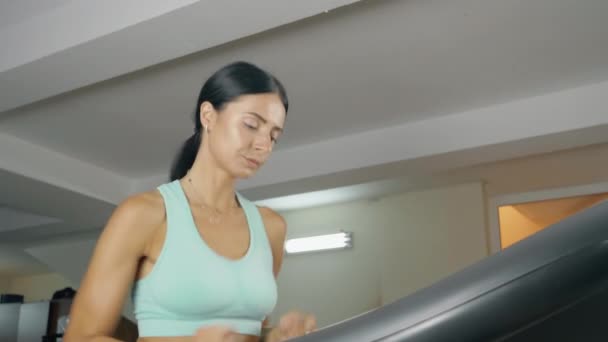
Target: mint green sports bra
<point>191,286</point>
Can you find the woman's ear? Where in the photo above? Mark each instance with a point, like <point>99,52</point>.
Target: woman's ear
<point>207,115</point>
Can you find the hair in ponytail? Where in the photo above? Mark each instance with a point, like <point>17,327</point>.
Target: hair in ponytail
<point>185,157</point>
<point>225,85</point>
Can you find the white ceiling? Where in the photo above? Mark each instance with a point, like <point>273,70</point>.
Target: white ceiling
<point>18,11</point>
<point>380,91</point>
<point>419,59</point>
<point>13,219</point>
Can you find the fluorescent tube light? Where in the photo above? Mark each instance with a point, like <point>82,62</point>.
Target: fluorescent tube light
<point>318,243</point>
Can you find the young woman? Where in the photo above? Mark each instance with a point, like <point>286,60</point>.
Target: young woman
<point>199,259</point>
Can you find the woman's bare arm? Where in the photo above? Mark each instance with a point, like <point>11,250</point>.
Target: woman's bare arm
<point>98,304</point>
<point>276,229</point>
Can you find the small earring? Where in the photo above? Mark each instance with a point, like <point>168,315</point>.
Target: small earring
<point>205,128</point>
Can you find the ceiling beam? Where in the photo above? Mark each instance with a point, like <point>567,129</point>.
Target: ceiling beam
<point>51,54</point>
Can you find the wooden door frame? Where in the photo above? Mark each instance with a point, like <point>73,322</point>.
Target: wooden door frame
<point>541,195</point>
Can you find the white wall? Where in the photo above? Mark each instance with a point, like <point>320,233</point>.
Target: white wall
<point>72,265</point>
<point>37,287</point>
<point>575,167</point>
<point>333,285</point>
<point>4,285</point>
<point>429,235</point>
<point>401,243</point>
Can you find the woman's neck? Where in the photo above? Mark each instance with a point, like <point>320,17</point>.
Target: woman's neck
<point>212,186</point>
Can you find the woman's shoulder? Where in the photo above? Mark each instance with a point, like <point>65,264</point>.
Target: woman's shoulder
<point>273,221</point>
<point>271,215</point>
<point>275,224</point>
<point>276,230</point>
<point>133,223</point>
<point>143,211</point>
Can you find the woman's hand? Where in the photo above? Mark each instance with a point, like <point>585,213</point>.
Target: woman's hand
<point>215,334</point>
<point>292,324</point>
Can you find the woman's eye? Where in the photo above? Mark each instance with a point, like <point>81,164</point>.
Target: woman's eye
<point>250,125</point>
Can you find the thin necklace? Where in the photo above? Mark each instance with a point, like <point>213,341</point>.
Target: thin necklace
<point>214,215</point>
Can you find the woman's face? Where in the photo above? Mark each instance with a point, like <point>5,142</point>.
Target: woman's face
<point>243,134</point>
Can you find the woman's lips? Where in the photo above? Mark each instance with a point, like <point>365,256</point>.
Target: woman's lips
<point>252,162</point>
